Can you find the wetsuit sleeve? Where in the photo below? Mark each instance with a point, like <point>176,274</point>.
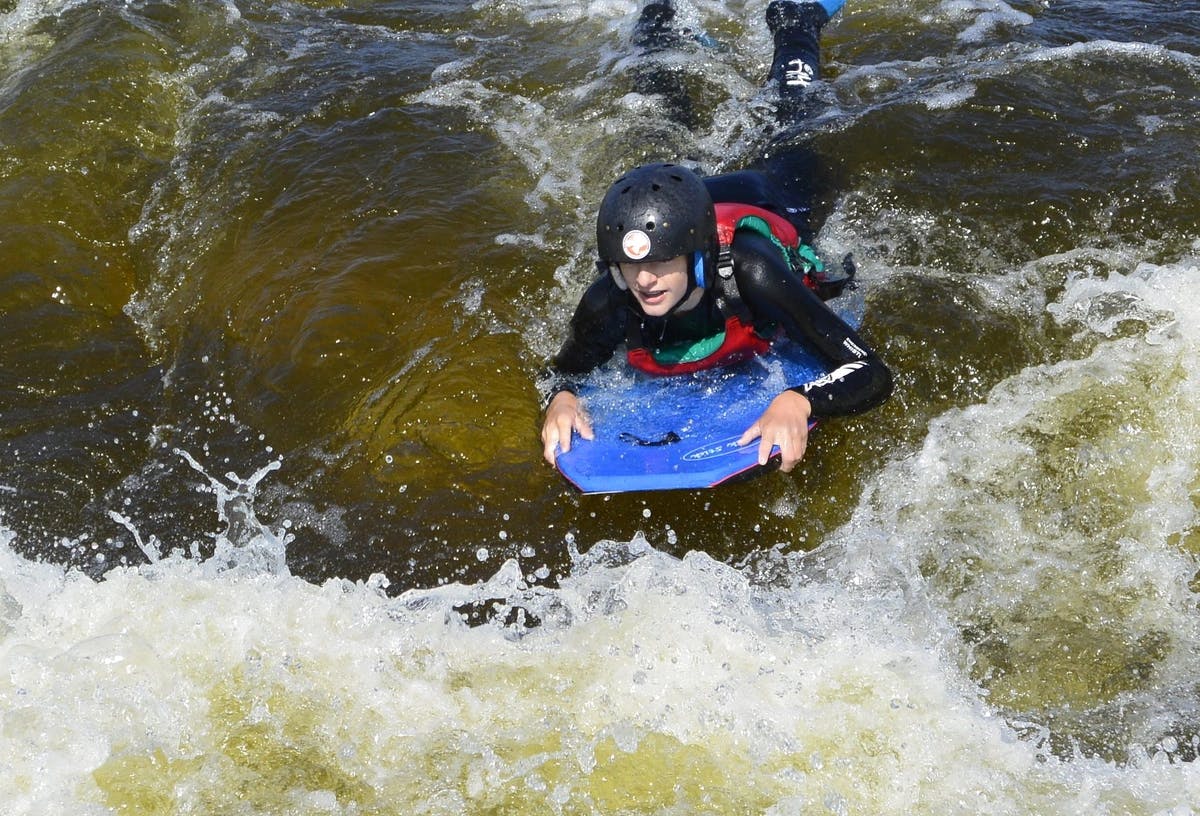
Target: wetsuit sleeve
<point>595,331</point>
<point>860,380</point>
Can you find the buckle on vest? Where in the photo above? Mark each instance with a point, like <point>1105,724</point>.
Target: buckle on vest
<point>725,264</point>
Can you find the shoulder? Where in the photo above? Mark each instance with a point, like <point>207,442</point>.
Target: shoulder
<point>753,249</point>
<point>764,275</point>
<point>602,300</point>
<point>603,290</point>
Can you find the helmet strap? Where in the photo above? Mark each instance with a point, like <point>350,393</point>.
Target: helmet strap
<point>695,281</point>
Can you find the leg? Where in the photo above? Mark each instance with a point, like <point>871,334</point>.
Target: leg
<point>796,27</point>
<point>654,32</point>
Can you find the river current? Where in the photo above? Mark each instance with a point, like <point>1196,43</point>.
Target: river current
<point>276,281</point>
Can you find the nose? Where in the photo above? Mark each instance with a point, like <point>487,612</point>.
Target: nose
<point>646,277</point>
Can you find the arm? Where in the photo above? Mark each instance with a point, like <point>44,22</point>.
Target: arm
<point>596,329</point>
<point>860,379</point>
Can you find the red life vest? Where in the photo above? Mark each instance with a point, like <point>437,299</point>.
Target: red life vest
<point>741,341</point>
<point>730,217</point>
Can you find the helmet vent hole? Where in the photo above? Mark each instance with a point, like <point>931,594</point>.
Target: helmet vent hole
<point>649,226</point>
<point>656,187</point>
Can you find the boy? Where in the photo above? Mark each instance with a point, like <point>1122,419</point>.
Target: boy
<point>700,273</point>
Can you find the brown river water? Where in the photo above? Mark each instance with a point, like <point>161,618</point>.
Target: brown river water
<point>276,281</point>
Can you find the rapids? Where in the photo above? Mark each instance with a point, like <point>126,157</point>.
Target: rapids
<point>276,280</point>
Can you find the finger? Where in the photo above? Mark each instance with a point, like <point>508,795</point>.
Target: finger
<point>792,454</point>
<point>764,449</point>
<point>752,433</point>
<point>563,432</point>
<point>557,434</point>
<point>584,426</point>
<point>551,441</point>
<point>787,458</point>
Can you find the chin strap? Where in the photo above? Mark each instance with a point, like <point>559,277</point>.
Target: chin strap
<point>696,281</point>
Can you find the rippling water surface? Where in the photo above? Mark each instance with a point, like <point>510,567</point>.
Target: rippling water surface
<point>275,537</point>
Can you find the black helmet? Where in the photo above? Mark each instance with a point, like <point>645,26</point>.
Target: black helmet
<point>657,212</point>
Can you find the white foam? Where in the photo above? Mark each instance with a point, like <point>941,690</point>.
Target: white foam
<point>650,683</point>
<point>1064,500</point>
<point>17,23</point>
<point>985,16</point>
<point>1150,52</point>
<point>551,11</point>
<point>950,96</point>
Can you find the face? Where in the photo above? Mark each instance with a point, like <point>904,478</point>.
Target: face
<point>657,285</point>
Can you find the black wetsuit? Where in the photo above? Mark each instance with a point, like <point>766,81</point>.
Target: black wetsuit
<point>774,295</point>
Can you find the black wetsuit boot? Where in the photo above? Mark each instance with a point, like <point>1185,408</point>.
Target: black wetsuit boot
<point>653,31</point>
<point>796,28</point>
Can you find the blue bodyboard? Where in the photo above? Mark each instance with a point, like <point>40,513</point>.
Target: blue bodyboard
<point>667,433</point>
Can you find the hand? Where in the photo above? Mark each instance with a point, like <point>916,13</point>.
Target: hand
<point>563,416</point>
<point>784,423</point>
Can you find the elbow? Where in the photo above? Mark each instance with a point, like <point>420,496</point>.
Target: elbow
<point>883,385</point>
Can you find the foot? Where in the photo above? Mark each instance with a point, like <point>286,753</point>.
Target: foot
<point>789,14</point>
<point>796,28</point>
<point>653,30</point>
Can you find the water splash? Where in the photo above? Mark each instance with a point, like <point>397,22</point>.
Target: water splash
<point>644,684</point>
<point>243,543</point>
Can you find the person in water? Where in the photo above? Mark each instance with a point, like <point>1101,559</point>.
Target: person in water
<point>697,273</point>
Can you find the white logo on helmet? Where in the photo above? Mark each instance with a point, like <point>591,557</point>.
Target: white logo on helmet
<point>636,244</point>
